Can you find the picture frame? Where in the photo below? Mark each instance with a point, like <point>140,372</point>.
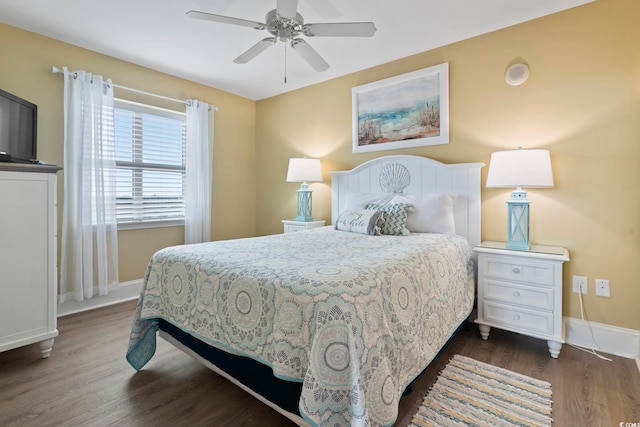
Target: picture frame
<point>404,111</point>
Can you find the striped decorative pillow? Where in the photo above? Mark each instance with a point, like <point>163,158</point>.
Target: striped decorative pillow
<point>395,218</point>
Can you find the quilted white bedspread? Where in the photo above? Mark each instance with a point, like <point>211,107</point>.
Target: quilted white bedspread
<point>355,317</point>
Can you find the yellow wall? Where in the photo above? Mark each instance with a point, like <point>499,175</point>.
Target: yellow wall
<point>582,102</point>
<point>25,70</point>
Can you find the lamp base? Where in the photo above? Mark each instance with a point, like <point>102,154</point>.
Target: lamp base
<point>303,212</point>
<point>518,213</point>
<point>518,246</point>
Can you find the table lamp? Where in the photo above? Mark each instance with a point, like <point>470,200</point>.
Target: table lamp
<point>519,168</point>
<point>303,170</point>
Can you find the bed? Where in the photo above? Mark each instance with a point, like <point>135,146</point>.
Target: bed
<point>328,326</point>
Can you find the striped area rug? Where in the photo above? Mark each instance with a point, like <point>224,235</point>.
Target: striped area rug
<point>472,393</point>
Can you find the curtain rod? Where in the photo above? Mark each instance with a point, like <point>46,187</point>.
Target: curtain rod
<point>58,71</point>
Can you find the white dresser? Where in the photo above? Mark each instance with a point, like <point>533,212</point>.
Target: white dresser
<point>291,225</point>
<point>521,291</point>
<point>28,272</point>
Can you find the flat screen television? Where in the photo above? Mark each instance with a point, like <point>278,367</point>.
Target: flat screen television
<point>18,129</point>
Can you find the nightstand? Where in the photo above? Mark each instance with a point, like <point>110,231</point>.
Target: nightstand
<point>291,225</point>
<point>521,291</point>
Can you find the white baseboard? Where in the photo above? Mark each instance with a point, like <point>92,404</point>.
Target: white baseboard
<point>621,342</point>
<point>127,291</point>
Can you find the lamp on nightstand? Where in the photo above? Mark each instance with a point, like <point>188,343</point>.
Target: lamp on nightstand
<point>519,168</point>
<point>303,170</point>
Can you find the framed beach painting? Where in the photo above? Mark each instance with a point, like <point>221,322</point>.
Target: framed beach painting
<point>405,111</point>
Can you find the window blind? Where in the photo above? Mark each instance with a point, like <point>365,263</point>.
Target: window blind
<point>150,163</point>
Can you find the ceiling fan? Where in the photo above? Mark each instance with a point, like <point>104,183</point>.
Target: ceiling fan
<point>285,24</point>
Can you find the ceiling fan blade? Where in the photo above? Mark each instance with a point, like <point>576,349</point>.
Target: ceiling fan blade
<point>255,50</point>
<point>340,29</point>
<point>287,8</point>
<point>226,20</point>
<point>309,54</point>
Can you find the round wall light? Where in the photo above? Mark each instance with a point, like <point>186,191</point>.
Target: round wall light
<point>516,74</point>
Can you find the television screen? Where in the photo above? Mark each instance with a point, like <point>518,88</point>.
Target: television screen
<point>18,124</point>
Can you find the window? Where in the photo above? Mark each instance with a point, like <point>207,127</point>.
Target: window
<point>150,165</point>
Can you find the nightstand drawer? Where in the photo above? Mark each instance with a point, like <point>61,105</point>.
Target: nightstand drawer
<point>518,318</point>
<point>518,269</point>
<point>536,297</point>
<point>288,228</point>
<point>291,226</point>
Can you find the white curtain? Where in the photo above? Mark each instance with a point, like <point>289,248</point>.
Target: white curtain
<point>89,259</point>
<point>197,224</point>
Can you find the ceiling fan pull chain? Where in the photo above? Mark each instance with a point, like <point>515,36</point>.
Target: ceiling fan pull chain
<point>285,63</point>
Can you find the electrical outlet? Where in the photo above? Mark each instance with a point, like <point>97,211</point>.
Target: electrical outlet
<point>580,284</point>
<point>603,288</point>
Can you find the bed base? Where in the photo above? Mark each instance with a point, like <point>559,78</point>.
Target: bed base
<point>176,343</point>
<point>297,419</point>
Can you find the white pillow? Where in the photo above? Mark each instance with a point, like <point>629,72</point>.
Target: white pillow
<point>360,221</point>
<point>431,213</point>
<point>358,201</point>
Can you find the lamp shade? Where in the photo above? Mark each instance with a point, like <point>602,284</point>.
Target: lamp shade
<point>302,170</point>
<point>520,168</point>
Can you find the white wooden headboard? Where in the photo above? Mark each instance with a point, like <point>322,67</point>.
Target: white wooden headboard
<point>427,176</point>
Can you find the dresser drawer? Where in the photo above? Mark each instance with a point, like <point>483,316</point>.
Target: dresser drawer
<point>517,269</point>
<point>536,297</point>
<point>536,322</point>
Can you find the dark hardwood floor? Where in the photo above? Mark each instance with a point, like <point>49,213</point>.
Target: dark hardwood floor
<point>87,381</point>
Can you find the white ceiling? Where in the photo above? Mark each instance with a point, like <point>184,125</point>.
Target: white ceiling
<point>157,34</point>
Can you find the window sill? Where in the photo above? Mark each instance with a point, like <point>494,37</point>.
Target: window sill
<point>150,224</point>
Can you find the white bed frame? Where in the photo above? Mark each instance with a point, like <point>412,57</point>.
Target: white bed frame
<point>427,176</point>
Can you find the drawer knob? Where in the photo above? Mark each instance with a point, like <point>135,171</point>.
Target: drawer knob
<point>516,294</point>
<point>516,270</point>
<point>516,316</point>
